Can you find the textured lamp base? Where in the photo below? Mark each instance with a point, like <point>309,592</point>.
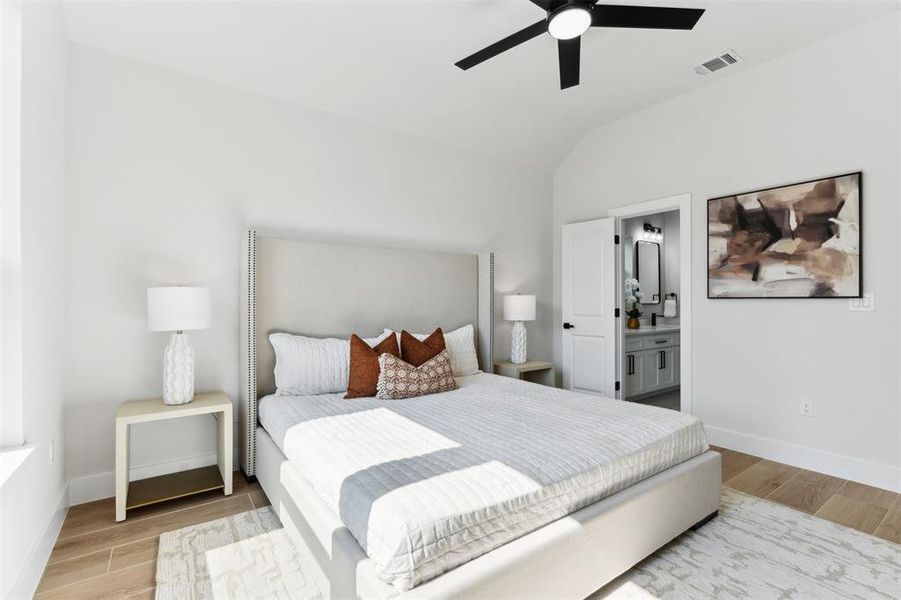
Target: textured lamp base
<point>178,370</point>
<point>518,345</point>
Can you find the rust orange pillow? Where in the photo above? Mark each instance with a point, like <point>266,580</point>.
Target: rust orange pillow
<point>364,365</point>
<point>415,352</point>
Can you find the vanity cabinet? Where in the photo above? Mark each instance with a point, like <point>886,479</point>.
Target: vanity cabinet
<point>651,363</point>
<point>634,376</point>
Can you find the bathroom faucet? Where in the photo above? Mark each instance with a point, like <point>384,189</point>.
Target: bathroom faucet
<point>653,319</point>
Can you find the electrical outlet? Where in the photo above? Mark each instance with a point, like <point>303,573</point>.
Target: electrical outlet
<point>805,408</point>
<point>866,303</point>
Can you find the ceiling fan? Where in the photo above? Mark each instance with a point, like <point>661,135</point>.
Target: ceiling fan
<point>567,20</point>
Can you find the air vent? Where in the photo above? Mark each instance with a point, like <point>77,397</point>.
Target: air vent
<point>717,63</point>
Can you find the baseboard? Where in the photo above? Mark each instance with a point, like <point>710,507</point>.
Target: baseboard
<point>30,576</point>
<point>103,485</point>
<point>879,475</point>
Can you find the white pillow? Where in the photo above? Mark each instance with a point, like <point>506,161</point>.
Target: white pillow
<point>461,347</point>
<point>306,366</point>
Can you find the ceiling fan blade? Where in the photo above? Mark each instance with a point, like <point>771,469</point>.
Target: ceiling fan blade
<point>542,4</point>
<point>511,41</point>
<point>569,52</point>
<point>644,17</point>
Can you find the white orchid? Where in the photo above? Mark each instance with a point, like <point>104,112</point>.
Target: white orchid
<point>632,296</point>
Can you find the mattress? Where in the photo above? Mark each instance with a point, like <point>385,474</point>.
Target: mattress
<point>426,484</point>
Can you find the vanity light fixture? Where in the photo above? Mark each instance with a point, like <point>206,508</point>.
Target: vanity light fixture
<point>652,234</point>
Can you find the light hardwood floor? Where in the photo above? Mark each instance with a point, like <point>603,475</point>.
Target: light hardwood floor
<point>97,558</point>
<point>670,400</point>
<point>862,507</point>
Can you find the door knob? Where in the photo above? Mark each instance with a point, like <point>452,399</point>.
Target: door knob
<point>568,326</point>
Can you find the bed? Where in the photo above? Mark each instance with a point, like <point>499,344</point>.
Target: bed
<point>499,489</point>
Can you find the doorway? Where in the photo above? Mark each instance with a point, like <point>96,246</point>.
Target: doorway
<point>650,288</point>
<point>654,284</point>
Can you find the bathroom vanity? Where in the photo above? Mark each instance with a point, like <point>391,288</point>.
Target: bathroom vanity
<point>651,362</point>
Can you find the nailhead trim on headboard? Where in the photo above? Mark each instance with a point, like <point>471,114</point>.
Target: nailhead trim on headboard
<point>491,313</point>
<point>491,325</point>
<point>251,376</point>
<point>486,312</point>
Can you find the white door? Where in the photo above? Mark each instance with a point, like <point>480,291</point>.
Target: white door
<point>677,365</point>
<point>589,302</point>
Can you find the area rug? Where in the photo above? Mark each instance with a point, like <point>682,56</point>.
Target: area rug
<point>754,549</point>
<point>244,556</point>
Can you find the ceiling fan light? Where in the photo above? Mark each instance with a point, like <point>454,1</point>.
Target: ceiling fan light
<point>569,22</point>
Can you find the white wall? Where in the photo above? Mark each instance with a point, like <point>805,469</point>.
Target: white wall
<point>33,500</point>
<point>672,257</point>
<point>168,170</point>
<point>826,109</point>
<point>12,425</point>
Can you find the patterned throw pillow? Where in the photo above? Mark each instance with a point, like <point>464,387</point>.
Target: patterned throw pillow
<point>399,379</point>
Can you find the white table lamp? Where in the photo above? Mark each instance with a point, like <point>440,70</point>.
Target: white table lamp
<point>519,308</point>
<point>178,309</point>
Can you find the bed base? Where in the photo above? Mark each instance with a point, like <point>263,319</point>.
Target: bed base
<point>705,520</point>
<point>569,558</point>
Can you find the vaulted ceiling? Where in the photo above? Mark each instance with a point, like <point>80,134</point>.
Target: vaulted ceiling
<point>391,63</point>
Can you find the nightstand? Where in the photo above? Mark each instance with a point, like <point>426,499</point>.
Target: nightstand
<point>167,487</point>
<point>536,371</point>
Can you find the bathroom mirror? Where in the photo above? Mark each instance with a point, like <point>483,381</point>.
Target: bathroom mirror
<point>647,270</point>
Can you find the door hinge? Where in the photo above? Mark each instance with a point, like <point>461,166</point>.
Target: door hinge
<point>616,312</point>
<point>616,239</point>
<point>616,386</point>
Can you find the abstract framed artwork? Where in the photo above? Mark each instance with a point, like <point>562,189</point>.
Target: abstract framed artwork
<point>795,241</point>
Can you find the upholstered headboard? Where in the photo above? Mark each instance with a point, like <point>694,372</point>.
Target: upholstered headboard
<point>333,290</point>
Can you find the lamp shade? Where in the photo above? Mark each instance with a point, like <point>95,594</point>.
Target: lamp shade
<point>519,308</point>
<point>178,308</point>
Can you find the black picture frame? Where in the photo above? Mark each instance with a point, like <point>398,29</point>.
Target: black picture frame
<point>860,276</point>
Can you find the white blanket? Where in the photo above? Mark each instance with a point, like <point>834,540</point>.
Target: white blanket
<point>429,483</point>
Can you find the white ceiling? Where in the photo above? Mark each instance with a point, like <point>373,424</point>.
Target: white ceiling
<point>391,63</point>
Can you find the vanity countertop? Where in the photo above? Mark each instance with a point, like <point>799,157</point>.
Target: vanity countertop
<point>649,330</point>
